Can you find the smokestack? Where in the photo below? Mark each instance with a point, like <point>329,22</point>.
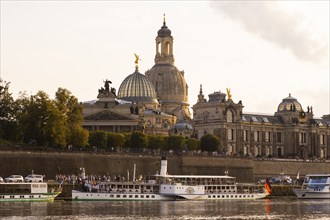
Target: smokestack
<point>163,166</point>
<point>134,170</point>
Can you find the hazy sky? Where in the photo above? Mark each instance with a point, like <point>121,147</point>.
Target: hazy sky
<point>261,50</point>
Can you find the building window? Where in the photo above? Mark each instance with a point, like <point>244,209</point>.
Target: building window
<point>230,134</point>
<point>246,135</point>
<point>322,139</point>
<point>257,136</point>
<point>230,116</point>
<point>279,137</point>
<point>206,118</point>
<point>267,136</point>
<point>302,138</point>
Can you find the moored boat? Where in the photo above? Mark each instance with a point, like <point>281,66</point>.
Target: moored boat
<point>171,187</point>
<point>315,186</point>
<point>20,192</point>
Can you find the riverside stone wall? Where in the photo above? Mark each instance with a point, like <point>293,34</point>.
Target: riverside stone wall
<point>51,163</point>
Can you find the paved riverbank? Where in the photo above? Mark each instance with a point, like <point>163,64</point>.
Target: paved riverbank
<point>51,164</point>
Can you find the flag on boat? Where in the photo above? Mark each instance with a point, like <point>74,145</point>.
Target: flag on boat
<point>268,188</point>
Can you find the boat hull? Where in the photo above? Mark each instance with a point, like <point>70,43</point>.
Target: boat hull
<point>310,194</point>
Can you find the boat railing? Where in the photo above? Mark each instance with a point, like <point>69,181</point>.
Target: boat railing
<point>199,183</point>
<point>126,191</point>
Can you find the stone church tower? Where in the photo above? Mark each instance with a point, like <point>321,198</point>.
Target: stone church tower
<point>169,82</point>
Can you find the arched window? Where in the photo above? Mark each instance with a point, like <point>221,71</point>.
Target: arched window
<point>206,118</point>
<point>167,48</point>
<point>230,116</point>
<point>158,47</point>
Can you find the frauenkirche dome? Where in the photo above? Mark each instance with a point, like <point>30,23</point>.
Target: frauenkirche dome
<point>169,82</point>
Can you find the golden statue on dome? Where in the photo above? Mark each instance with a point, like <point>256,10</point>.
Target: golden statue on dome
<point>137,58</point>
<point>229,94</point>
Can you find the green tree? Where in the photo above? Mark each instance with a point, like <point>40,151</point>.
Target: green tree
<point>175,143</point>
<point>192,144</point>
<point>72,111</point>
<point>156,142</point>
<point>22,105</point>
<point>127,140</point>
<point>42,123</point>
<point>8,116</point>
<point>138,141</point>
<point>210,143</point>
<point>115,140</point>
<point>98,139</point>
<point>79,137</point>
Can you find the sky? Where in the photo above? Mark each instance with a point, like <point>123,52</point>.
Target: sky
<point>261,50</point>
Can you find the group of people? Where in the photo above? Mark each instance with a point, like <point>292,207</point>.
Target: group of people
<point>73,178</point>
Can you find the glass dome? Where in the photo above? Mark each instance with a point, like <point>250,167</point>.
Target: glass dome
<point>137,88</point>
<point>183,127</point>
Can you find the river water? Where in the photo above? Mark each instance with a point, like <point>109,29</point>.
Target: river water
<point>279,208</point>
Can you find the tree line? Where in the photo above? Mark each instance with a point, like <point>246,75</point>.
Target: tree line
<point>141,142</point>
<point>41,121</point>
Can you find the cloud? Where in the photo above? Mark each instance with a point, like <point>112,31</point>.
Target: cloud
<point>271,23</point>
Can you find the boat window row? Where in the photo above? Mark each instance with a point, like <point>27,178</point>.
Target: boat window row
<point>317,180</point>
<point>120,196</point>
<point>221,188</point>
<point>230,196</point>
<point>121,188</point>
<point>17,189</point>
<point>20,196</point>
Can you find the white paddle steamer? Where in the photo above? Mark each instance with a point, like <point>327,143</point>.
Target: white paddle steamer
<point>171,187</point>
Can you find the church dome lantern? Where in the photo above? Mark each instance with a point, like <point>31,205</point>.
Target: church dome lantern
<point>164,31</point>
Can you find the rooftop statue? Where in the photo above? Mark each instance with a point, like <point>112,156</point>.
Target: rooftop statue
<point>137,58</point>
<point>106,85</point>
<point>107,90</point>
<point>228,93</point>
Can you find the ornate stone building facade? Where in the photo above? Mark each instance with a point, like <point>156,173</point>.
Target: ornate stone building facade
<point>156,103</point>
<point>290,132</point>
<point>135,108</point>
